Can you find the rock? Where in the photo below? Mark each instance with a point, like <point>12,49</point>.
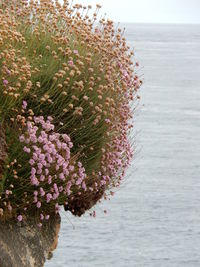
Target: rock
<point>80,204</point>
<point>25,245</point>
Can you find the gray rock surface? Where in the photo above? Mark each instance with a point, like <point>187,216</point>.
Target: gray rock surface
<point>25,245</point>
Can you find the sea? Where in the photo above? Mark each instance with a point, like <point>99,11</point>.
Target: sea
<point>154,218</point>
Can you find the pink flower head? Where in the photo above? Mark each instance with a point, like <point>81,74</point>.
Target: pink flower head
<point>33,171</point>
<point>8,72</point>
<point>61,176</point>
<point>49,197</point>
<point>5,82</point>
<point>79,164</point>
<point>24,104</point>
<point>42,192</point>
<point>84,186</point>
<point>57,208</point>
<point>49,118</point>
<point>21,138</point>
<point>38,204</point>
<point>31,162</point>
<point>19,218</point>
<point>35,193</point>
<point>26,149</point>
<point>70,144</point>
<point>34,180</point>
<point>66,137</point>
<point>47,217</point>
<point>49,179</point>
<point>70,62</point>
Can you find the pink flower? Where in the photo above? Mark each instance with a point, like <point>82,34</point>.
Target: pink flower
<point>38,205</point>
<point>21,138</point>
<point>107,120</point>
<point>42,156</point>
<point>47,217</point>
<point>79,164</point>
<point>8,72</point>
<point>84,186</point>
<point>61,176</point>
<point>50,160</point>
<point>79,181</point>
<point>40,139</point>
<point>66,137</point>
<point>57,167</point>
<point>49,118</point>
<point>66,172</point>
<point>42,178</point>
<point>64,145</point>
<point>35,156</point>
<point>34,180</point>
<point>32,162</point>
<point>49,179</point>
<point>5,82</point>
<point>55,187</point>
<point>9,207</point>
<point>60,188</point>
<point>57,208</point>
<point>19,218</point>
<point>55,196</point>
<point>24,104</point>
<point>70,144</point>
<point>39,171</point>
<point>35,199</point>
<point>33,171</point>
<point>48,197</point>
<point>35,193</point>
<point>39,165</point>
<point>70,62</point>
<point>71,167</point>
<point>26,149</point>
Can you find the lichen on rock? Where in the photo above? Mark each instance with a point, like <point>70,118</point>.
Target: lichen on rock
<point>25,245</point>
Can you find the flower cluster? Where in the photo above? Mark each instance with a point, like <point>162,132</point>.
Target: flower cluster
<point>68,91</point>
<point>53,172</point>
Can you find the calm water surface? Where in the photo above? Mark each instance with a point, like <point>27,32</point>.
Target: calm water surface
<point>154,219</point>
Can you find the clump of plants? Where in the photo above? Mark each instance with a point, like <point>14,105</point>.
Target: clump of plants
<point>67,92</point>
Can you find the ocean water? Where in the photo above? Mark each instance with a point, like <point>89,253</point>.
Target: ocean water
<point>154,219</point>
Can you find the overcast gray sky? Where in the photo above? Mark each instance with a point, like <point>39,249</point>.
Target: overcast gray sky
<point>154,11</point>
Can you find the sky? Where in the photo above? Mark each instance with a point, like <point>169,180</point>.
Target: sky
<point>149,11</point>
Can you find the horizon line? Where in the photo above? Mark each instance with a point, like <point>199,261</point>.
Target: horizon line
<point>165,23</point>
